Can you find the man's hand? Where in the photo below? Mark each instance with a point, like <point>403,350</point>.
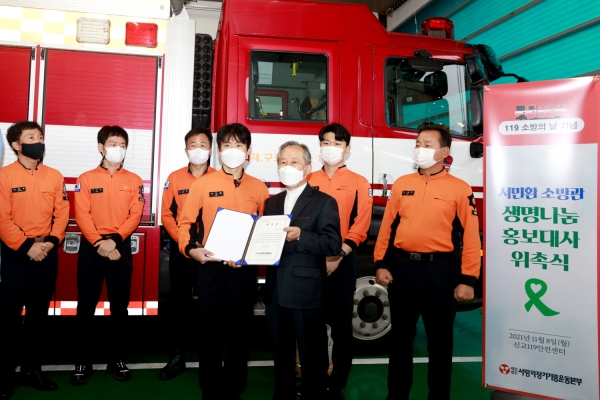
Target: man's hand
<point>332,263</point>
<point>383,277</point>
<point>463,293</point>
<point>231,264</point>
<point>202,255</point>
<point>293,233</point>
<point>37,252</point>
<point>47,247</point>
<point>114,255</point>
<point>105,247</point>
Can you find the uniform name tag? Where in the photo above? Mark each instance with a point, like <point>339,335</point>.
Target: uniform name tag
<point>184,191</point>
<point>408,193</point>
<point>215,194</point>
<point>97,190</point>
<point>19,189</point>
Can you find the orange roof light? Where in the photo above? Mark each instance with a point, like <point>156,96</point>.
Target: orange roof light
<point>439,27</point>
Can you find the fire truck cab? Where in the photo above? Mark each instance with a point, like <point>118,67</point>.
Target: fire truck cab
<point>286,68</point>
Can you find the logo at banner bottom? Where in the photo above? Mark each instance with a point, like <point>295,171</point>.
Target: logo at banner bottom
<point>535,297</point>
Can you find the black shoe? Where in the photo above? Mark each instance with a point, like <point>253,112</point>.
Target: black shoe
<point>119,371</point>
<point>174,367</point>
<point>37,380</point>
<point>6,391</point>
<point>81,375</point>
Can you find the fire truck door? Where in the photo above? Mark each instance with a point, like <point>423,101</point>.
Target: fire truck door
<point>83,91</point>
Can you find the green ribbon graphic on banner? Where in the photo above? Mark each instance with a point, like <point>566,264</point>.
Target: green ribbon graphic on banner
<point>534,297</point>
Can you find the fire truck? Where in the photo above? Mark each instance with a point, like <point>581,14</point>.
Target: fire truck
<point>282,68</point>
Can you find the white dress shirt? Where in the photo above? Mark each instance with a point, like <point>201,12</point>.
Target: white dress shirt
<point>291,197</point>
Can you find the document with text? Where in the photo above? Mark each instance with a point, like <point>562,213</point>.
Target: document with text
<point>247,239</point>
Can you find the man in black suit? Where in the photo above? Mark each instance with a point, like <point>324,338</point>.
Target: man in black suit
<point>297,291</point>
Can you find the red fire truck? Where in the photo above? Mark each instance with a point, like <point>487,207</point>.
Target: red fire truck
<point>283,68</point>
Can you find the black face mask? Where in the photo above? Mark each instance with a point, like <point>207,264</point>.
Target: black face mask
<point>33,150</point>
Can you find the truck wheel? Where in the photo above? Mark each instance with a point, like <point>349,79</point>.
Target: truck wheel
<point>371,320</point>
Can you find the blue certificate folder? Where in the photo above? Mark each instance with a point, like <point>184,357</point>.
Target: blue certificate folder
<point>246,238</point>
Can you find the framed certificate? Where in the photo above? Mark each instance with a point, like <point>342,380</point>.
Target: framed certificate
<point>247,239</point>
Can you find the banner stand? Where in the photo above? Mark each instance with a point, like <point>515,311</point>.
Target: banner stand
<point>542,240</point>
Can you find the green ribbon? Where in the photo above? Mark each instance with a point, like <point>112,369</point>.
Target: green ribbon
<point>534,297</point>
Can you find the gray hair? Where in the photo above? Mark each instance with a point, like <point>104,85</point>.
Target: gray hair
<point>307,157</point>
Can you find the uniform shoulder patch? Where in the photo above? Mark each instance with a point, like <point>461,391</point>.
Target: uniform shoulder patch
<point>167,183</point>
<point>77,187</point>
<point>143,200</point>
<point>370,192</point>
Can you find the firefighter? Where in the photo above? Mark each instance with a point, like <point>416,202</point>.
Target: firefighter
<point>226,293</point>
<point>352,194</point>
<point>182,270</point>
<point>109,201</point>
<point>429,216</point>
<point>34,212</point>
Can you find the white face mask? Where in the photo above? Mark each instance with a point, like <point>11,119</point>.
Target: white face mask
<point>233,158</point>
<point>332,155</point>
<point>198,156</point>
<point>290,176</point>
<point>424,157</point>
<point>115,154</point>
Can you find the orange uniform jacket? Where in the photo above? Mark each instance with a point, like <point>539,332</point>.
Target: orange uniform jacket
<point>213,191</point>
<point>108,204</point>
<point>177,188</point>
<point>351,191</point>
<point>33,203</point>
<point>426,216</point>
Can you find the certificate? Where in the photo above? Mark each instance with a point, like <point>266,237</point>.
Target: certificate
<point>247,239</point>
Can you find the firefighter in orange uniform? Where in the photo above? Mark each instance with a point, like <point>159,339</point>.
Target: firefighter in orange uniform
<point>352,194</point>
<point>182,270</point>
<point>109,201</point>
<point>226,292</point>
<point>34,212</point>
<point>430,216</point>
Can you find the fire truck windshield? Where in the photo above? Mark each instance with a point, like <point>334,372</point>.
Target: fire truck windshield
<point>414,97</point>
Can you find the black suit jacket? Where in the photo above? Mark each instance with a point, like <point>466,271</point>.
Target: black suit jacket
<point>301,277</point>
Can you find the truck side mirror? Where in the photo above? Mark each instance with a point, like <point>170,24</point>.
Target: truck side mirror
<point>476,149</point>
<point>475,68</point>
<point>477,109</point>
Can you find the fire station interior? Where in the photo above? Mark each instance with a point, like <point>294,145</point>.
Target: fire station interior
<point>294,87</point>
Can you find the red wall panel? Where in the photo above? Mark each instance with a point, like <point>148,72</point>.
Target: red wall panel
<point>15,64</point>
<point>94,89</point>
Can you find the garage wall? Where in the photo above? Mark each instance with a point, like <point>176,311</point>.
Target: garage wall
<point>539,40</point>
